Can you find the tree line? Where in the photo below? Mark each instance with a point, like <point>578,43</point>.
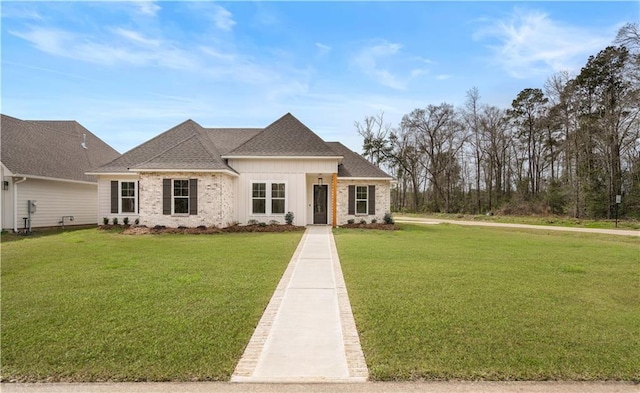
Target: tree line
<point>570,147</point>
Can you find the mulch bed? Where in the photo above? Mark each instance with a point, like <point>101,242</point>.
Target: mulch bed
<point>202,230</point>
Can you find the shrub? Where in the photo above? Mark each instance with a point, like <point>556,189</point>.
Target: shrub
<point>252,222</point>
<point>374,220</point>
<point>388,218</point>
<point>274,222</point>
<point>115,220</point>
<point>125,220</point>
<point>202,227</point>
<point>105,220</point>
<point>363,221</point>
<point>289,218</point>
<point>137,221</point>
<point>351,221</point>
<point>262,224</point>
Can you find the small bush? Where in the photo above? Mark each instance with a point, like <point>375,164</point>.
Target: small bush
<point>351,221</point>
<point>181,227</point>
<point>137,221</point>
<point>289,218</point>
<point>252,222</point>
<point>105,220</point>
<point>262,224</point>
<point>202,227</point>
<point>125,220</point>
<point>274,222</point>
<point>374,220</point>
<point>159,227</point>
<point>388,219</point>
<point>363,221</point>
<point>115,220</point>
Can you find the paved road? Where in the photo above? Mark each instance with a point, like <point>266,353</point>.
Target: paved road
<point>419,220</point>
<point>369,387</point>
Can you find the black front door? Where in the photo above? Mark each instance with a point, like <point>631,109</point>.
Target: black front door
<point>319,204</point>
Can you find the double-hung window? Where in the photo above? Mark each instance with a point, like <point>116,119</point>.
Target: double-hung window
<point>362,198</point>
<point>181,196</point>
<point>259,198</point>
<point>268,198</point>
<point>277,198</point>
<point>127,197</point>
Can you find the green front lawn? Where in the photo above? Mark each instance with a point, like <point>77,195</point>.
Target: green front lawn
<point>452,302</point>
<point>92,306</point>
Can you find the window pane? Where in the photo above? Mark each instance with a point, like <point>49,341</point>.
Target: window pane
<point>181,205</point>
<point>181,188</point>
<point>127,189</point>
<point>277,206</point>
<point>361,192</point>
<point>361,207</point>
<point>128,205</point>
<point>277,190</point>
<point>259,206</point>
<point>259,190</point>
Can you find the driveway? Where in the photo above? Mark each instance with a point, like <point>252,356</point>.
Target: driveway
<point>420,220</point>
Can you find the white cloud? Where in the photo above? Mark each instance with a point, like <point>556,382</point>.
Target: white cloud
<point>136,37</point>
<point>222,18</point>
<point>368,60</point>
<point>530,43</point>
<point>376,61</point>
<point>442,77</point>
<point>147,7</point>
<point>323,49</point>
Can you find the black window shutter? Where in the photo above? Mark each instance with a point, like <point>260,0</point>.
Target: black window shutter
<point>166,196</point>
<point>138,199</point>
<point>114,196</point>
<point>352,199</point>
<point>372,200</point>
<point>193,196</point>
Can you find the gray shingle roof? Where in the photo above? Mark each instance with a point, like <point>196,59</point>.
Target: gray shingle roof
<point>286,136</point>
<point>354,165</point>
<point>190,146</point>
<point>51,149</point>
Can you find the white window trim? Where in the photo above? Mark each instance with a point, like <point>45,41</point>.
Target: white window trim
<point>268,198</point>
<point>188,197</point>
<point>135,196</point>
<point>366,200</point>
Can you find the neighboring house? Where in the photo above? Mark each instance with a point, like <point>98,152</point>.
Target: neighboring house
<point>191,176</point>
<point>45,162</point>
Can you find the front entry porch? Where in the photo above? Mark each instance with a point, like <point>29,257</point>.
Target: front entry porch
<point>321,199</point>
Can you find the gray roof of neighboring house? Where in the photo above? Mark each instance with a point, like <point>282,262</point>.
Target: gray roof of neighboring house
<point>354,165</point>
<point>51,149</point>
<point>190,146</point>
<point>286,136</point>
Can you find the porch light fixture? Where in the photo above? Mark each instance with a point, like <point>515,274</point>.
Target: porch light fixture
<point>320,181</point>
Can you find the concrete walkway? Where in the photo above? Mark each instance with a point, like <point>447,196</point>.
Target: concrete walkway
<point>307,333</point>
<point>421,220</point>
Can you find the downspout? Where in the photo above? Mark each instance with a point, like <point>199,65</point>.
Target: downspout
<point>15,203</point>
<point>335,199</point>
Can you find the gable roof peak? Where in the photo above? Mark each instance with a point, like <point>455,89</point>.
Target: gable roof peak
<point>286,136</point>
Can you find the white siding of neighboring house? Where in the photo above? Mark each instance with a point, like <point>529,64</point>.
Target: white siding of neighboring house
<point>55,199</point>
<point>104,199</point>
<point>6,199</point>
<point>292,172</point>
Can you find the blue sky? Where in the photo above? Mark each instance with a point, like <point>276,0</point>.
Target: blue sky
<point>130,70</point>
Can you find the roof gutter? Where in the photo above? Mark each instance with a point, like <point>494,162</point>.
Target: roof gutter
<point>15,202</point>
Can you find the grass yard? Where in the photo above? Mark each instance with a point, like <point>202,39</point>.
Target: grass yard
<point>95,306</point>
<point>453,302</point>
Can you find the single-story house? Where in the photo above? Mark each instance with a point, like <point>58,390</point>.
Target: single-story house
<point>45,162</point>
<point>192,176</point>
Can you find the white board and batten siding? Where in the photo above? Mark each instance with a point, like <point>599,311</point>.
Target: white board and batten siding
<point>292,172</point>
<point>56,199</point>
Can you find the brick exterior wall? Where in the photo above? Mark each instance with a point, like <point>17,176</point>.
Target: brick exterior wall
<point>383,200</point>
<point>215,200</point>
